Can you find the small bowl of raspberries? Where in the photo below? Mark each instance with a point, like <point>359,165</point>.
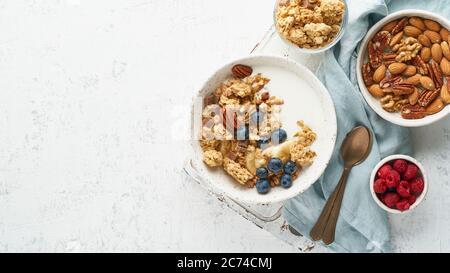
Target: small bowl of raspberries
<point>398,183</point>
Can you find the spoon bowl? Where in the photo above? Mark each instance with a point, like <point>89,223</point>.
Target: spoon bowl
<point>356,146</point>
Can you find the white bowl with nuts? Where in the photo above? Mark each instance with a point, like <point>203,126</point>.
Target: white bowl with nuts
<point>403,68</point>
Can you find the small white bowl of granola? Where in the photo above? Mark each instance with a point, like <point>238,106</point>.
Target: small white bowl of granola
<point>311,26</point>
<point>264,130</point>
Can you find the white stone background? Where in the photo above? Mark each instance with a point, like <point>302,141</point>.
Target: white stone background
<point>91,94</point>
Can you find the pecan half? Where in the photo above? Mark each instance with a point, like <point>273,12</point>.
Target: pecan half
<point>420,64</point>
<point>397,86</point>
<point>375,55</point>
<point>241,71</point>
<point>367,75</point>
<point>435,74</point>
<point>381,40</point>
<point>389,82</point>
<point>402,89</point>
<point>413,112</point>
<point>400,26</point>
<point>389,58</point>
<point>427,97</point>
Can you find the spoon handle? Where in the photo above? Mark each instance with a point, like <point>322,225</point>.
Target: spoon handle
<point>330,228</point>
<point>317,231</point>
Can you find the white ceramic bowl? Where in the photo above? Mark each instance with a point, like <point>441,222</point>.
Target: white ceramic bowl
<point>305,99</point>
<point>362,58</point>
<point>313,50</point>
<point>391,158</point>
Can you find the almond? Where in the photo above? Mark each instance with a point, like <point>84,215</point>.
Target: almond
<point>444,34</point>
<point>435,107</point>
<point>397,68</point>
<point>432,25</point>
<point>445,50</point>
<point>410,70</point>
<point>396,39</point>
<point>376,91</point>
<point>417,22</point>
<point>379,74</point>
<point>390,26</point>
<point>433,36</point>
<point>412,31</point>
<point>424,40</point>
<point>436,53</point>
<point>445,67</point>
<point>414,80</point>
<point>427,83</point>
<point>414,97</point>
<point>425,54</point>
<point>445,94</point>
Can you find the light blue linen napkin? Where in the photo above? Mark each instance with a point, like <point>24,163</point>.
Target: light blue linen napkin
<point>362,226</point>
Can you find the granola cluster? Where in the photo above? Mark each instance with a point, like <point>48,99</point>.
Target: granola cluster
<point>239,125</point>
<point>233,103</point>
<point>310,23</point>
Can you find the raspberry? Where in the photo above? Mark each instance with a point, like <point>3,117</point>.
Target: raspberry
<point>412,199</point>
<point>403,205</point>
<point>384,171</point>
<point>400,165</point>
<point>380,186</point>
<point>417,185</point>
<point>411,172</point>
<point>391,199</point>
<point>403,189</point>
<point>392,179</point>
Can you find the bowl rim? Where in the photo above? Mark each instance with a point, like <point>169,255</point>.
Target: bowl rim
<point>391,158</point>
<point>329,102</point>
<point>313,50</point>
<point>395,118</point>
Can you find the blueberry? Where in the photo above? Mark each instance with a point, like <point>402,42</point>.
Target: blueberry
<point>262,186</point>
<point>263,141</point>
<point>279,136</point>
<point>286,181</point>
<point>275,165</point>
<point>262,173</point>
<point>290,167</point>
<point>242,133</point>
<point>257,117</point>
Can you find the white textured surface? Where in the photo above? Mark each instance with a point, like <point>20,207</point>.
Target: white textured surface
<point>91,92</point>
<point>87,161</point>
